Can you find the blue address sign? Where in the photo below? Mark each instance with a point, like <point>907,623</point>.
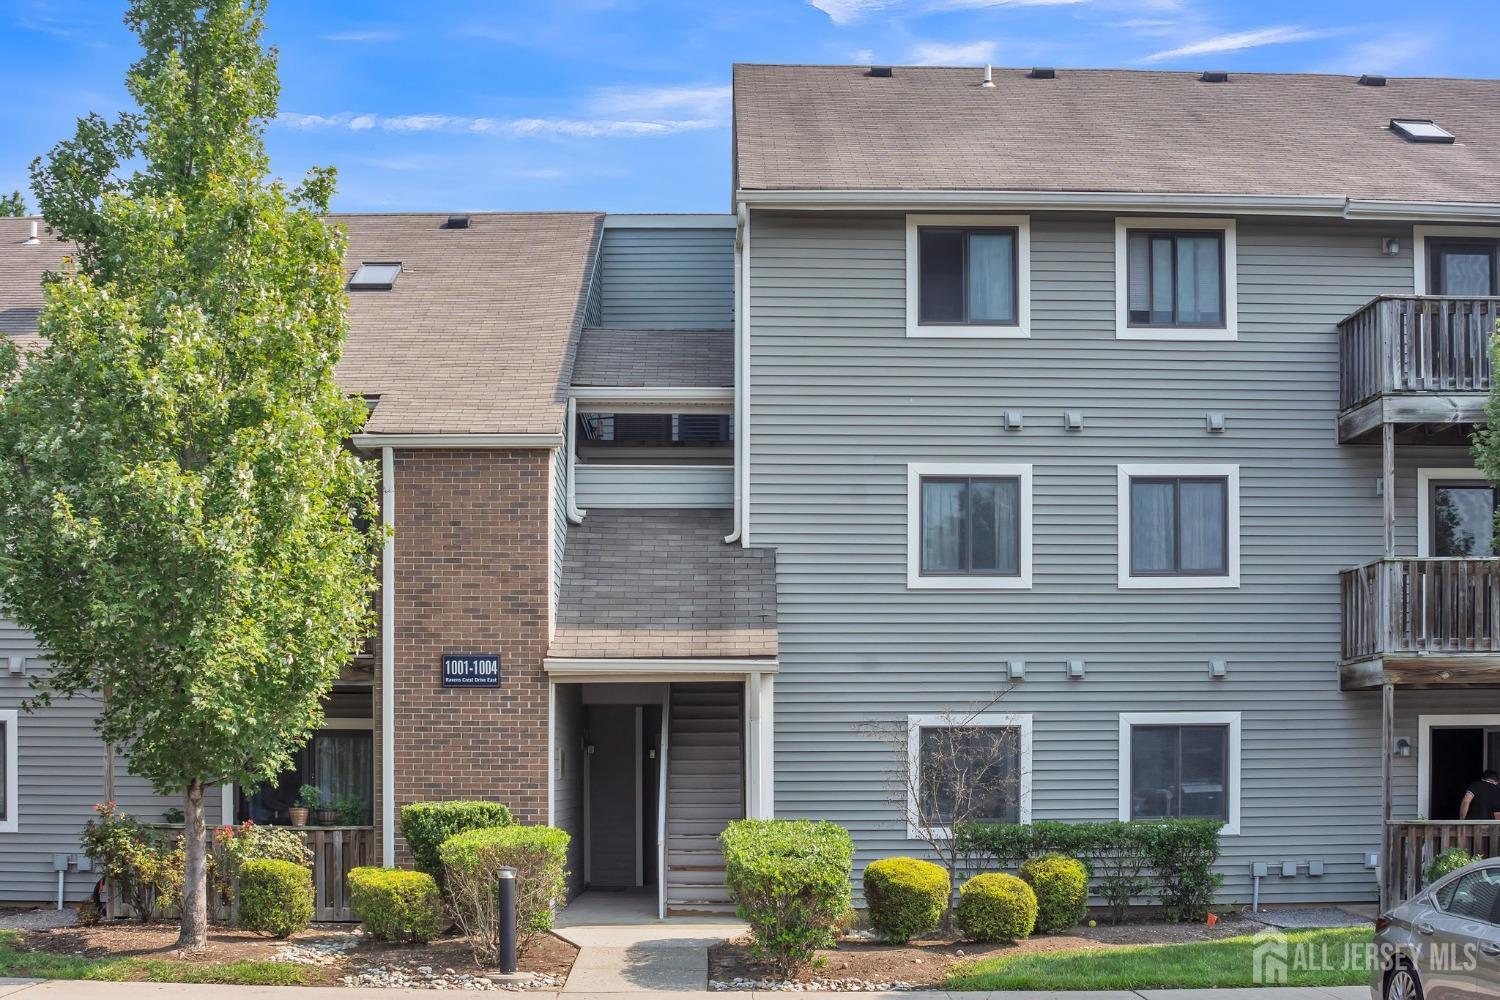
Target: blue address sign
<point>469,670</point>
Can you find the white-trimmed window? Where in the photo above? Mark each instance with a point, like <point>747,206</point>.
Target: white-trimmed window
<point>1180,765</point>
<point>1175,279</point>
<point>8,770</point>
<point>982,761</point>
<point>1455,513</point>
<point>1456,260</point>
<point>968,526</point>
<point>968,276</point>
<point>1179,526</point>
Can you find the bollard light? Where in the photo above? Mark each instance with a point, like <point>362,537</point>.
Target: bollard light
<point>507,920</point>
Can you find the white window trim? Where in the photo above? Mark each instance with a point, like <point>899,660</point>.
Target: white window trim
<point>11,823</point>
<point>914,578</point>
<point>1128,720</point>
<point>1425,478</point>
<point>996,720</point>
<point>1425,725</point>
<point>1022,327</point>
<point>1123,329</point>
<point>1419,235</point>
<point>1228,581</point>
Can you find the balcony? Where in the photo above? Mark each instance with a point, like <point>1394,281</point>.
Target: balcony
<point>1424,622</point>
<point>1413,360</point>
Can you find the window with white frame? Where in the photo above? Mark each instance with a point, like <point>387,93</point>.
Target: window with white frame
<point>1175,279</point>
<point>973,767</point>
<point>968,276</point>
<point>1180,765</point>
<point>968,525</point>
<point>1455,513</point>
<point>1179,526</point>
<point>8,770</point>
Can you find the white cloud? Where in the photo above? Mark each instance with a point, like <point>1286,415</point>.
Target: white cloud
<point>952,53</point>
<point>1235,41</point>
<point>983,4</point>
<point>843,12</point>
<point>549,127</point>
<point>862,56</point>
<point>1397,52</point>
<point>702,101</point>
<point>363,36</point>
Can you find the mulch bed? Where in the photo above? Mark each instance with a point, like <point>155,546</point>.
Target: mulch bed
<point>925,964</point>
<point>548,955</point>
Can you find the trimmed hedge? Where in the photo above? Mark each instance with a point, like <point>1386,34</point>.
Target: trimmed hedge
<point>906,897</point>
<point>425,825</point>
<point>471,864</point>
<point>790,881</point>
<point>276,897</point>
<point>396,905</point>
<point>996,907</point>
<point>1167,861</point>
<point>1061,885</point>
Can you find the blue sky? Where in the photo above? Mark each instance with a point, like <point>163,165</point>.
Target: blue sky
<point>623,105</point>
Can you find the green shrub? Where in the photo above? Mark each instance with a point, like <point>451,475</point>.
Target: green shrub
<point>1061,885</point>
<point>425,825</point>
<point>790,881</point>
<point>471,865</point>
<point>1168,861</point>
<point>276,898</point>
<point>1450,860</point>
<point>234,845</point>
<point>906,897</point>
<point>396,905</point>
<point>145,865</point>
<point>996,907</point>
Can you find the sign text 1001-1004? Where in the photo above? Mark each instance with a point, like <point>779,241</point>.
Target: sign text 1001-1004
<point>471,670</point>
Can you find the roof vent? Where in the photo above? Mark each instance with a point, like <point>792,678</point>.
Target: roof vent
<point>32,239</point>
<point>879,71</point>
<point>1215,76</point>
<point>1042,73</point>
<point>375,276</point>
<point>457,222</point>
<point>989,77</point>
<point>1372,80</point>
<point>1420,130</point>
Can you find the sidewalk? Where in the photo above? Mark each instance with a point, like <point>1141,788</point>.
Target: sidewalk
<point>25,989</point>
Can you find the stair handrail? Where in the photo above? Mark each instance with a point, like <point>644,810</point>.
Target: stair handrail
<point>661,808</point>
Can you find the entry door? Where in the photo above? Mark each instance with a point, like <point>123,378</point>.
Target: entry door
<point>1464,267</point>
<point>614,790</point>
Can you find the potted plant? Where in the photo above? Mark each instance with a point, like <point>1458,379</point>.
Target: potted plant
<point>308,798</point>
<point>353,810</point>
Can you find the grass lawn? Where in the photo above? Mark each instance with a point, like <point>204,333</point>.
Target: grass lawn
<point>45,965</point>
<point>1329,957</point>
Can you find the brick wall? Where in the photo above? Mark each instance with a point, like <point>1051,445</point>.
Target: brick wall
<point>471,576</point>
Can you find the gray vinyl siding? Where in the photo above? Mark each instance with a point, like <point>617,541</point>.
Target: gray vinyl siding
<point>668,278</point>
<point>559,519</point>
<point>61,765</point>
<point>649,486</point>
<point>842,400</point>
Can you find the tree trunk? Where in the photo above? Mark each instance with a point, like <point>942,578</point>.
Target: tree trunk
<point>194,934</point>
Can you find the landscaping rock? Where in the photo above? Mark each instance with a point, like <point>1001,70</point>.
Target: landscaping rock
<point>326,950</point>
<point>425,977</point>
<point>810,985</point>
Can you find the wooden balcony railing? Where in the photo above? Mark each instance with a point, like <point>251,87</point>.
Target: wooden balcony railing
<point>1410,844</point>
<point>1415,607</point>
<point>1416,343</point>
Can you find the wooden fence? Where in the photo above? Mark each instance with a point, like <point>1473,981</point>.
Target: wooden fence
<point>1423,605</point>
<point>1416,343</point>
<point>1410,844</point>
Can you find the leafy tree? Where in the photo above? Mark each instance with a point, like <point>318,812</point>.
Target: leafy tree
<point>12,205</point>
<point>1485,445</point>
<point>177,510</point>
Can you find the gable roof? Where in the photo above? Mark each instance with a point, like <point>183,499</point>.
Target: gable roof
<point>477,334</point>
<point>928,128</point>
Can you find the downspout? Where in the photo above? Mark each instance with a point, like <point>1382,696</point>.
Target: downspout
<point>741,377</point>
<point>388,660</point>
<point>575,516</point>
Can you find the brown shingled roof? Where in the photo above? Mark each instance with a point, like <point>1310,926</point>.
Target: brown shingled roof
<point>476,336</point>
<point>655,583</point>
<point>655,358</point>
<point>928,128</point>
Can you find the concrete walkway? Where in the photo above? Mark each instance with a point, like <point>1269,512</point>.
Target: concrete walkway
<point>623,948</point>
<point>26,989</point>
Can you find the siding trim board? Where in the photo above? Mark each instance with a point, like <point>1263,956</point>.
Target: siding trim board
<point>1021,328</point>
<point>995,720</point>
<point>1128,720</point>
<point>1232,527</point>
<point>1123,329</point>
<point>10,822</point>
<point>915,473</point>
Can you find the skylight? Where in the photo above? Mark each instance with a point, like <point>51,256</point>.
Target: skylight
<point>375,276</point>
<point>1420,130</point>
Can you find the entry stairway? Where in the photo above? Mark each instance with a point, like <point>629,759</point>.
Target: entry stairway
<point>705,792</point>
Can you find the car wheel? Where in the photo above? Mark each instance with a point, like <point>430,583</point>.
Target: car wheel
<point>1403,984</point>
